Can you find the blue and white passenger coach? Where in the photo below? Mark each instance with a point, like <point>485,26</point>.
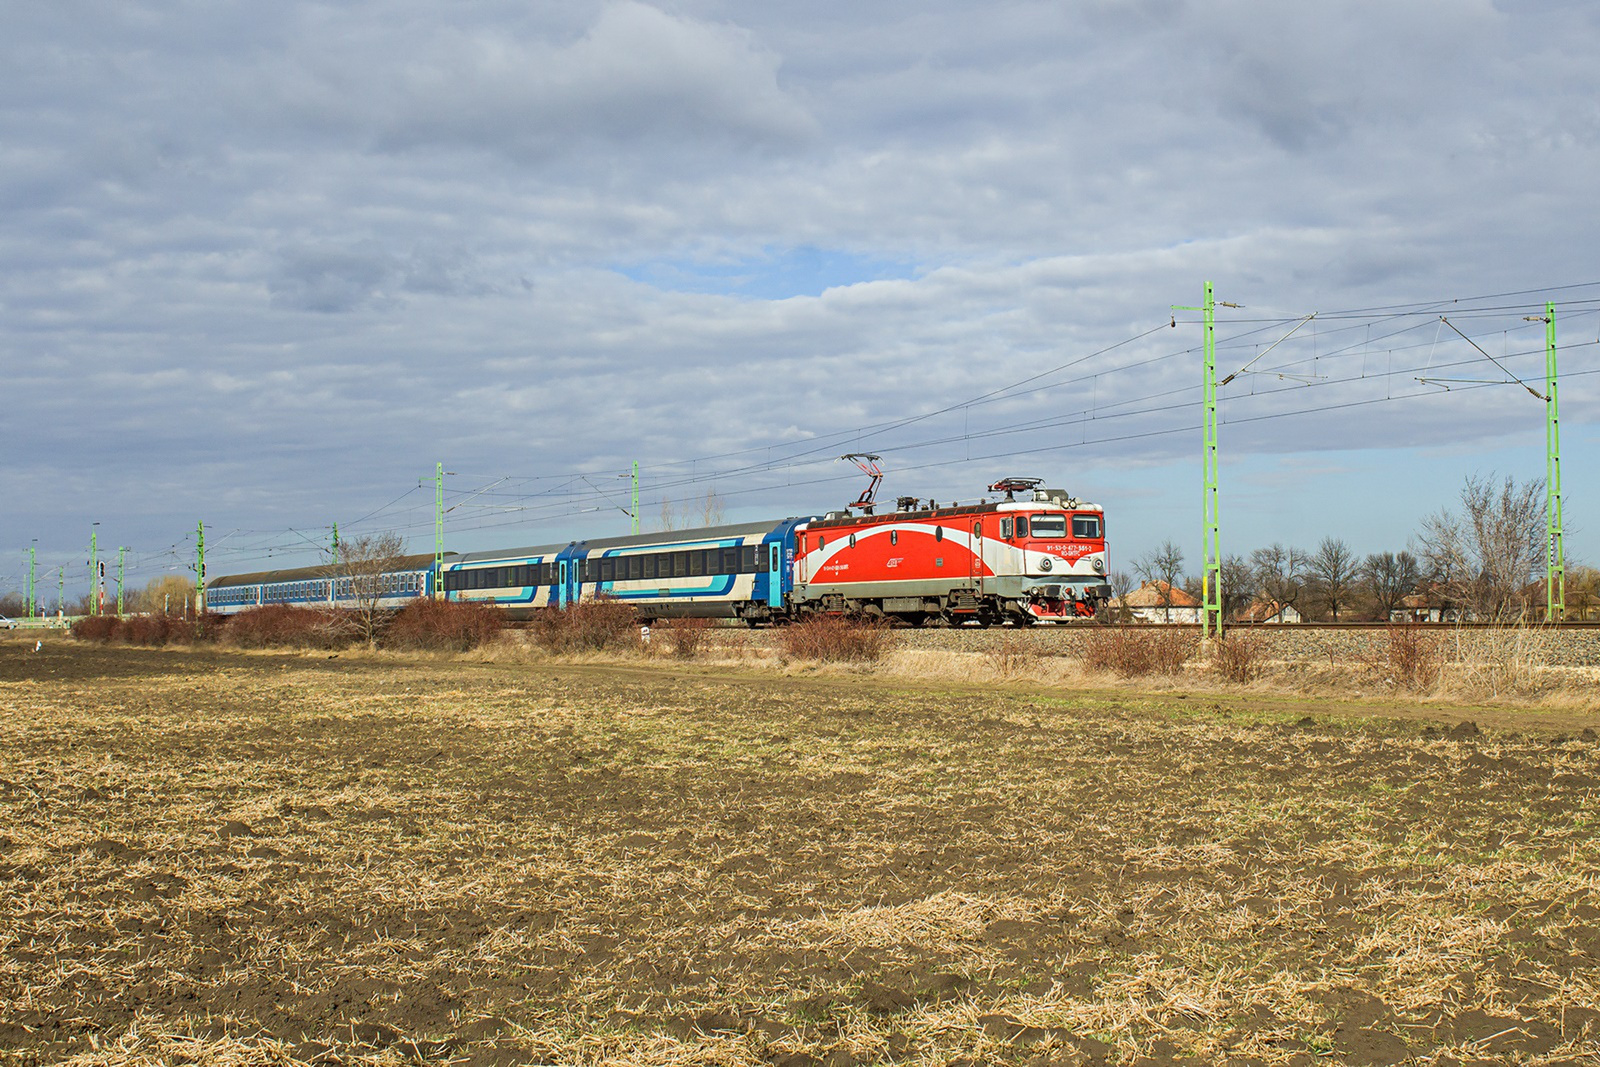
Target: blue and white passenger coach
<point>743,571</point>
<point>410,578</point>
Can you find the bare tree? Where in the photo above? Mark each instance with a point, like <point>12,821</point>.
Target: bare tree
<point>1121,583</point>
<point>1334,568</point>
<point>1389,577</point>
<point>1238,586</point>
<point>167,594</point>
<point>1280,573</point>
<point>1486,556</point>
<point>708,510</point>
<point>1163,566</point>
<point>361,570</point>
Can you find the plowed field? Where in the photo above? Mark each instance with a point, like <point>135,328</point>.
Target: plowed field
<point>219,858</point>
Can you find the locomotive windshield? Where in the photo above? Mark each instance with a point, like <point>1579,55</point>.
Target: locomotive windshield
<point>1083,526</point>
<point>1049,526</point>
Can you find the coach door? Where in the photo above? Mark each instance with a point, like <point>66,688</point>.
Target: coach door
<point>563,595</point>
<point>775,574</point>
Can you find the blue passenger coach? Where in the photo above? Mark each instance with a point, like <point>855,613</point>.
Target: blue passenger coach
<point>408,578</point>
<point>742,571</point>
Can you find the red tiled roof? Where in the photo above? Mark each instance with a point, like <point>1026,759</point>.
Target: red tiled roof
<point>1159,595</point>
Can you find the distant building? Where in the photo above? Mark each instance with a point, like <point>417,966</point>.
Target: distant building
<point>1270,612</point>
<point>1159,602</point>
<point>1427,604</point>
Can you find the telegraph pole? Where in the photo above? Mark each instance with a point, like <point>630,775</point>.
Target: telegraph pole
<point>200,569</point>
<point>1555,578</point>
<point>438,532</point>
<point>122,562</point>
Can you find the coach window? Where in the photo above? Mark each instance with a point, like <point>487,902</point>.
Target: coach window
<point>697,564</point>
<point>680,564</point>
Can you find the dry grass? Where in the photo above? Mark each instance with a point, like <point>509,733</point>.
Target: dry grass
<point>213,858</point>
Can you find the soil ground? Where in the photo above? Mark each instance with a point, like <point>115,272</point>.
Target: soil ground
<point>210,857</point>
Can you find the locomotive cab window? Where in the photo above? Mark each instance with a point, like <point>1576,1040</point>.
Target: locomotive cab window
<point>1022,526</point>
<point>1086,526</point>
<point>1049,526</point>
<point>1006,529</point>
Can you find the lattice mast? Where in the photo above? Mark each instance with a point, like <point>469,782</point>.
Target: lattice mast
<point>1555,578</point>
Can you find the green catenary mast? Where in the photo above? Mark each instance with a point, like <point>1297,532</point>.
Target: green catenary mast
<point>33,588</point>
<point>1555,578</point>
<point>122,573</point>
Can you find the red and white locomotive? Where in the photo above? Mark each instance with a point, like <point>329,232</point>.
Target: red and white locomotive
<point>1040,558</point>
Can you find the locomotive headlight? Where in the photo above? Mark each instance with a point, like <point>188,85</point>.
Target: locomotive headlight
<point>1099,565</point>
<point>1044,563</point>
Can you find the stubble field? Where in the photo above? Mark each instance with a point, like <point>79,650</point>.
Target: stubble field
<point>222,858</point>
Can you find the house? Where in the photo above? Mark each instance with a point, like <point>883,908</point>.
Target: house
<point>1427,604</point>
<point>1581,593</point>
<point>1157,601</point>
<point>1270,612</point>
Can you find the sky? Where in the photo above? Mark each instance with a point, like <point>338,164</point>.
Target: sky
<point>267,266</point>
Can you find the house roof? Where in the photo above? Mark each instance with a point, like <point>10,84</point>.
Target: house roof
<point>1159,594</point>
<point>1262,610</point>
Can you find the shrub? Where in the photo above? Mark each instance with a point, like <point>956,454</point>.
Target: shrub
<point>1416,659</point>
<point>834,639</point>
<point>100,628</point>
<point>685,637</point>
<point>1410,658</point>
<point>1239,657</point>
<point>443,626</point>
<point>1132,653</point>
<point>281,626</point>
<point>587,626</point>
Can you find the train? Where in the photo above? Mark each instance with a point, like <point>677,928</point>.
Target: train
<point>1031,555</point>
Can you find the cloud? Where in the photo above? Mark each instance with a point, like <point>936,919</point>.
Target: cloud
<point>637,78</point>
